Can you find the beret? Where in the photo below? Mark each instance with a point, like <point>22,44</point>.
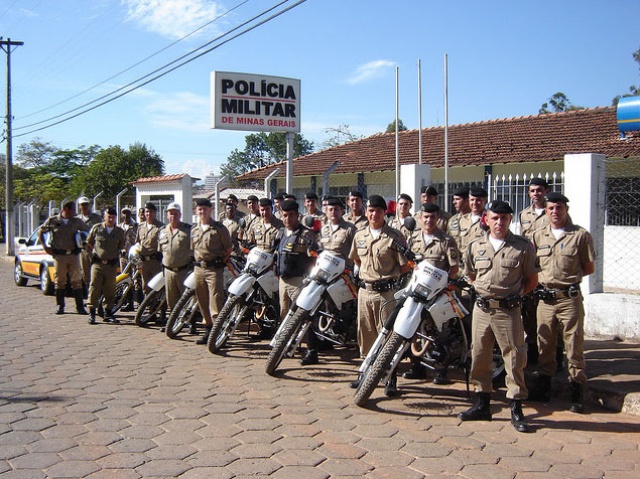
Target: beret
<point>355,193</point>
<point>150,206</point>
<point>111,211</point>
<point>501,207</point>
<point>289,196</point>
<point>555,197</point>
<point>252,198</point>
<point>376,201</point>
<point>429,190</point>
<point>279,196</point>
<point>203,202</point>
<point>335,202</point>
<point>429,208</point>
<point>265,202</point>
<point>289,205</point>
<point>462,192</point>
<point>311,195</point>
<point>232,197</point>
<point>539,182</point>
<point>478,192</point>
<point>404,196</point>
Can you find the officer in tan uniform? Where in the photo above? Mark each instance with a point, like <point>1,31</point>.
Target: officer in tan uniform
<point>90,218</point>
<point>502,267</point>
<point>531,219</point>
<point>566,254</point>
<point>174,242</point>
<point>356,213</point>
<point>428,194</point>
<point>130,228</point>
<point>311,206</point>
<point>461,205</point>
<point>378,251</point>
<point>277,211</point>
<point>335,236</point>
<point>264,231</point>
<point>147,237</point>
<point>252,216</point>
<point>403,212</point>
<point>470,225</point>
<point>232,222</point>
<point>105,243</point>
<point>62,229</point>
<point>432,245</point>
<point>211,245</point>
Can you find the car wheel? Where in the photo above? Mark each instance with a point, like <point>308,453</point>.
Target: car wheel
<point>17,275</point>
<point>46,285</point>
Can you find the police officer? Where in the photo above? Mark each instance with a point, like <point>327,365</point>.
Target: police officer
<point>232,222</point>
<point>461,205</point>
<point>566,254</point>
<point>263,232</point>
<point>378,251</point>
<point>295,244</point>
<point>130,228</point>
<point>237,214</point>
<point>104,243</point>
<point>356,213</point>
<point>470,225</point>
<point>211,245</point>
<point>502,267</point>
<point>64,249</point>
<point>277,211</point>
<point>311,206</point>
<point>174,243</point>
<point>252,216</point>
<point>147,237</point>
<point>335,236</point>
<point>432,245</point>
<point>403,212</point>
<point>90,218</point>
<point>429,194</point>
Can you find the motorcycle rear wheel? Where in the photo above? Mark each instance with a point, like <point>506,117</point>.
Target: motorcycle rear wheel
<point>284,340</point>
<point>226,323</point>
<point>380,367</point>
<point>150,307</point>
<point>182,313</point>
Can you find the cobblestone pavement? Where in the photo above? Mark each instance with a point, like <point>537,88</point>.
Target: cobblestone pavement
<point>118,401</point>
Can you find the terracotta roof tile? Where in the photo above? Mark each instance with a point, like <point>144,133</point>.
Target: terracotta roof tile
<point>159,179</point>
<point>512,140</point>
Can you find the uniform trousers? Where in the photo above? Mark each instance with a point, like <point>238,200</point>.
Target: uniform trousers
<point>373,310</point>
<point>289,288</point>
<point>67,264</point>
<point>85,261</point>
<point>503,326</point>
<point>209,292</point>
<point>148,270</point>
<point>103,283</point>
<point>174,285</point>
<point>568,315</point>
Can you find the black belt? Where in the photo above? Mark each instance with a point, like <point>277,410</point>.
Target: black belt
<point>379,286</point>
<point>510,302</point>
<point>177,270</point>
<point>214,263</point>
<point>66,252</point>
<point>550,295</point>
<point>95,259</point>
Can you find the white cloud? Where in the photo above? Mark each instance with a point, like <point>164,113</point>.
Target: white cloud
<point>369,71</point>
<point>171,18</point>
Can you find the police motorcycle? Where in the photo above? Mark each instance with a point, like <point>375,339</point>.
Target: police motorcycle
<point>154,303</point>
<point>327,303</point>
<point>252,296</point>
<point>125,281</point>
<point>186,311</point>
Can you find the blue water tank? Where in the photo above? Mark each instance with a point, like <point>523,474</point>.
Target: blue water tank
<point>629,114</point>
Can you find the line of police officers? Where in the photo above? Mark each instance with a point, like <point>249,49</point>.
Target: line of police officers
<point>546,266</point>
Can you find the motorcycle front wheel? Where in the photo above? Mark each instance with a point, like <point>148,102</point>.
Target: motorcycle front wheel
<point>380,367</point>
<point>285,339</point>
<point>182,313</point>
<point>150,307</point>
<point>226,323</point>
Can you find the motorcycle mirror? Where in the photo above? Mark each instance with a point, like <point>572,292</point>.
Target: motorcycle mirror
<point>242,223</point>
<point>410,223</point>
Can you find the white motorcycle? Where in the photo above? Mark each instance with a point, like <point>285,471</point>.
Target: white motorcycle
<point>153,303</point>
<point>252,296</point>
<point>328,299</point>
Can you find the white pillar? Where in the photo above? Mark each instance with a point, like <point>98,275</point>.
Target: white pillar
<point>584,186</point>
<point>412,177</point>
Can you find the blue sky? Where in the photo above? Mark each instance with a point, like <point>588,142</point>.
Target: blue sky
<point>505,59</point>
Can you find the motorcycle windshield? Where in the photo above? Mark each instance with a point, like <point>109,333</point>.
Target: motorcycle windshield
<point>328,267</point>
<point>427,280</point>
<point>258,261</point>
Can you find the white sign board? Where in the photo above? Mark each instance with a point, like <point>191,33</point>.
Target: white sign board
<point>244,101</point>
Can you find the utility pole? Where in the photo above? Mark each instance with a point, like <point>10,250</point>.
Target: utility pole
<point>10,220</point>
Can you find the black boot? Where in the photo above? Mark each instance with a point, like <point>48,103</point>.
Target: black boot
<point>417,371</point>
<point>205,337</point>
<point>541,392</point>
<point>60,301</point>
<point>517,416</point>
<point>310,358</point>
<point>193,329</point>
<point>441,377</point>
<point>356,384</point>
<point>577,398</point>
<point>92,315</point>
<point>77,294</point>
<point>128,306</point>
<point>139,296</point>
<point>480,411</point>
<point>109,316</point>
<point>391,388</point>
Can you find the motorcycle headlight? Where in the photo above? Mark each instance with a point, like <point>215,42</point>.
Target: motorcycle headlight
<point>422,291</point>
<point>322,275</point>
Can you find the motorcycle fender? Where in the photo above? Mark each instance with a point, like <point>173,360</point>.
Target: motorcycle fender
<point>157,282</point>
<point>310,296</point>
<point>341,293</point>
<point>190,281</point>
<point>408,318</point>
<point>242,284</point>
<point>269,283</point>
<point>121,277</point>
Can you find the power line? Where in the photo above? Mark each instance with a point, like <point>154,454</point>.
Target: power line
<point>132,86</point>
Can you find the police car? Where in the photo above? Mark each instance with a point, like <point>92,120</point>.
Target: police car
<point>33,263</point>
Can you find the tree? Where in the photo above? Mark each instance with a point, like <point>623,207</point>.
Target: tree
<point>34,154</point>
<point>391,127</point>
<point>558,102</point>
<point>262,149</point>
<point>634,90</point>
<point>340,136</point>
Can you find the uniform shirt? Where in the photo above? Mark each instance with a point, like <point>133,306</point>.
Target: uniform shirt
<point>263,234</point>
<point>443,220</point>
<point>379,258</point>
<point>360,221</point>
<point>319,215</point>
<point>63,236</point>
<point>338,240</point>
<point>175,245</point>
<point>234,228</point>
<point>91,219</point>
<point>530,221</point>
<point>500,273</point>
<point>147,236</point>
<point>469,231</point>
<point>130,231</point>
<point>106,246</point>
<point>562,261</point>
<point>441,251</point>
<point>212,243</point>
<point>453,226</point>
<point>249,220</point>
<point>398,224</point>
